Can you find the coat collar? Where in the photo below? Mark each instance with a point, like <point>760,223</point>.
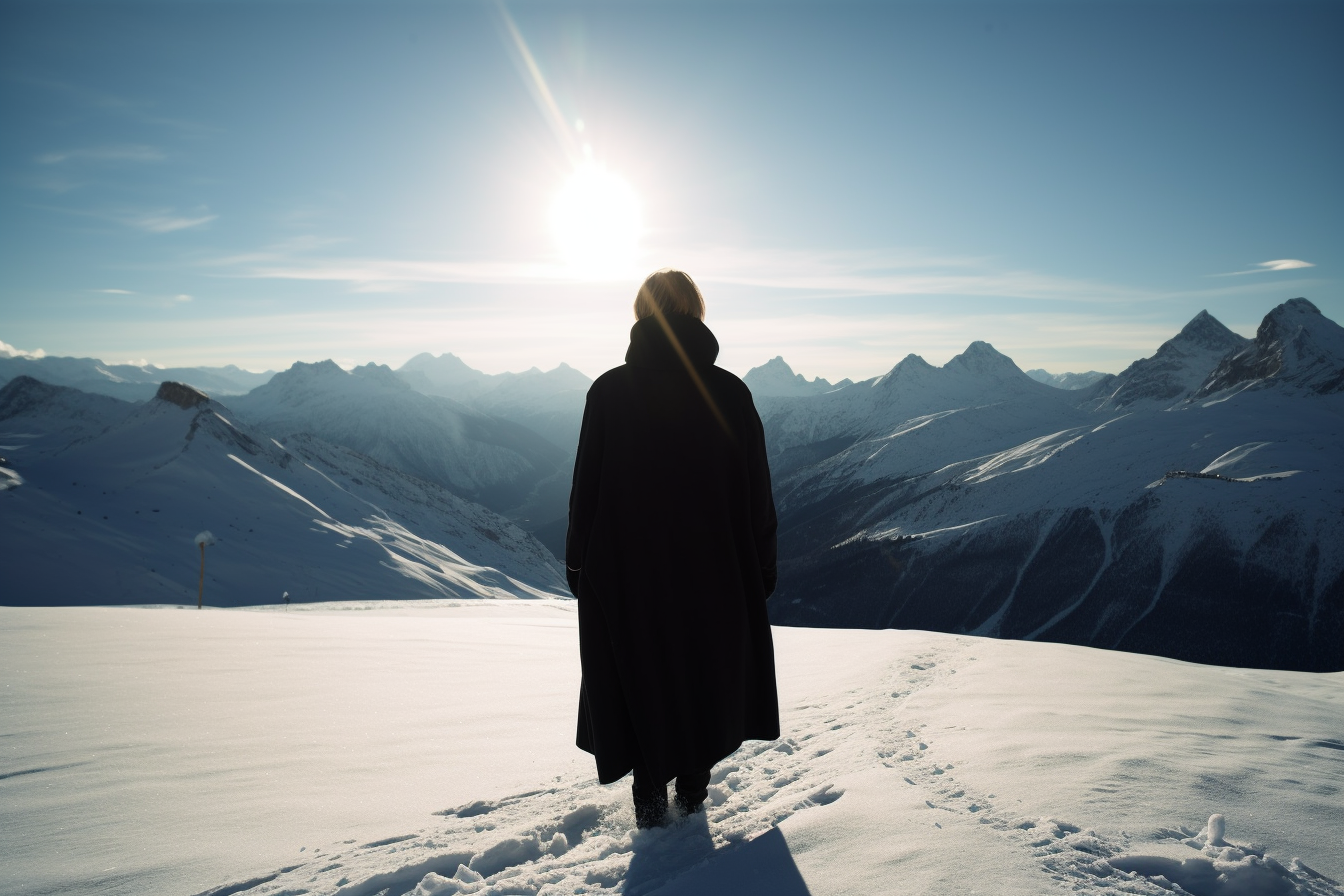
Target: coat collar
<point>650,345</point>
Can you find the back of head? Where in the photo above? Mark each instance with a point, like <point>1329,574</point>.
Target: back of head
<point>669,291</point>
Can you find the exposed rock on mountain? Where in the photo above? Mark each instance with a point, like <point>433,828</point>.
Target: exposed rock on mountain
<point>1295,344</point>
<point>1178,367</point>
<point>79,411</point>
<point>110,517</point>
<point>1211,531</point>
<point>806,431</point>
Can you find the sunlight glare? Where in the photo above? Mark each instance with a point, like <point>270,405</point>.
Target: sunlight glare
<point>595,220</point>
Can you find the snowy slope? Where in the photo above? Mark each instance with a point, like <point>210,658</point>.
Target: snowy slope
<point>804,431</point>
<point>111,518</point>
<point>549,403</point>
<point>426,748</point>
<point>1207,529</point>
<point>129,382</point>
<point>1295,345</point>
<point>371,410</point>
<point>60,415</point>
<point>1178,367</point>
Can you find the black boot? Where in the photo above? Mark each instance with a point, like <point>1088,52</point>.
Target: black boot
<point>650,804</point>
<point>691,792</point>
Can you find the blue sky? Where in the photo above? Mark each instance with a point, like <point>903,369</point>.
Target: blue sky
<point>259,183</point>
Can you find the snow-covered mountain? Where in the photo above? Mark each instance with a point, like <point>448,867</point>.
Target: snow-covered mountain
<point>129,382</point>
<point>805,431</point>
<point>550,402</point>
<point>370,409</point>
<point>1178,367</point>
<point>105,501</point>
<point>1070,381</point>
<point>1206,525</point>
<point>775,377</point>
<point>1295,345</point>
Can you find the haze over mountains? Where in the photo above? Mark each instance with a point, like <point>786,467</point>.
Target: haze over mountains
<point>1190,506</point>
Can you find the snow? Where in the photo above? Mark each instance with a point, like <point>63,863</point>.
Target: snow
<point>426,747</point>
<point>319,521</point>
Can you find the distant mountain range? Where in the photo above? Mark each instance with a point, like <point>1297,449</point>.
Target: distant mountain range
<point>1190,506</point>
<point>775,378</point>
<point>128,382</point>
<point>1066,380</point>
<point>102,500</point>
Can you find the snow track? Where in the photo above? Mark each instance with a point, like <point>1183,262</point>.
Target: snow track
<point>768,802</point>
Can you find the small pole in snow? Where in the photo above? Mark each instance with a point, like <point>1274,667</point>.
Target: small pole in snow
<point>203,539</point>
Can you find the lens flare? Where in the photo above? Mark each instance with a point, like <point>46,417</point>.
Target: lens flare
<point>595,219</point>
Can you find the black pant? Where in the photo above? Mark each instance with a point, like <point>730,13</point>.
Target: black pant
<point>691,788</point>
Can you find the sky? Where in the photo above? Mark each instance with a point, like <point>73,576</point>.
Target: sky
<point>210,183</point>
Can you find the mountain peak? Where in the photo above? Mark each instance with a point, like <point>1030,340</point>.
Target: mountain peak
<point>380,373</point>
<point>982,358</point>
<point>1287,317</point>
<point>181,394</point>
<point>1295,343</point>
<point>317,368</point>
<point>1206,331</point>
<point>775,377</point>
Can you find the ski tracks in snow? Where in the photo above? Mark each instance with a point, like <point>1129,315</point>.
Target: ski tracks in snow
<point>576,836</point>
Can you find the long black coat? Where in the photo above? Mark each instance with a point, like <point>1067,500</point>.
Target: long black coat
<point>671,553</point>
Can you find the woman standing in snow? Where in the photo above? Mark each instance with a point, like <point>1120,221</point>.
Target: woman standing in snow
<point>671,553</point>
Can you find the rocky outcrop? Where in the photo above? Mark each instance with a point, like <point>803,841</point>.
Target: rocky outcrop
<point>1175,370</point>
<point>1295,344</point>
<point>181,394</point>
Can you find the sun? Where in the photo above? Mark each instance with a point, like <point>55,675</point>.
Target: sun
<point>595,219</point>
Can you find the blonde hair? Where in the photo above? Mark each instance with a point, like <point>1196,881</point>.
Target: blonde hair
<point>669,291</point>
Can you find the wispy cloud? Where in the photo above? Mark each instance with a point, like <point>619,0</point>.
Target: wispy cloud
<point>126,153</point>
<point>1264,267</point>
<point>164,220</point>
<point>815,275</point>
<point>116,292</point>
<point>9,351</point>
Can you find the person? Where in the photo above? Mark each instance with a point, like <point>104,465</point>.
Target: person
<point>671,554</point>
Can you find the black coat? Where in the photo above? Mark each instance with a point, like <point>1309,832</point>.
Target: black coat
<point>671,553</point>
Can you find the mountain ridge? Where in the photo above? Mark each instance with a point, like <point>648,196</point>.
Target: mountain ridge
<point>302,516</point>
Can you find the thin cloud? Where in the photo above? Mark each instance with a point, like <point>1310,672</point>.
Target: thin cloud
<point>836,274</point>
<point>1264,267</point>
<point>135,153</point>
<point>116,292</point>
<point>164,221</point>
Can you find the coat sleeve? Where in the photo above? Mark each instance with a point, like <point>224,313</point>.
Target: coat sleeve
<point>583,493</point>
<point>763,520</point>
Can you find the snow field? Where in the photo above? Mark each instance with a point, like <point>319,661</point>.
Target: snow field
<point>426,749</point>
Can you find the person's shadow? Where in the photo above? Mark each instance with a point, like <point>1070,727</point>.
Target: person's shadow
<point>682,861</point>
